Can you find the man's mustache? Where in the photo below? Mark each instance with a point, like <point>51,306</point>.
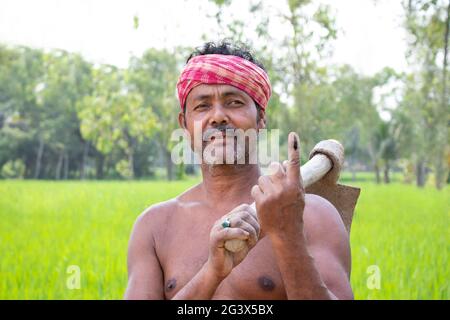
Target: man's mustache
<point>217,130</point>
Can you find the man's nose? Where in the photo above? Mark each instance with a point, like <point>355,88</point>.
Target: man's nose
<point>218,115</point>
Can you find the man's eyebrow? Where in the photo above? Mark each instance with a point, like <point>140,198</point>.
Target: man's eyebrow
<point>223,95</point>
<point>232,93</point>
<point>202,97</point>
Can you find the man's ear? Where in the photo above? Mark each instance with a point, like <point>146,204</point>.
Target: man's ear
<point>182,120</point>
<point>261,120</point>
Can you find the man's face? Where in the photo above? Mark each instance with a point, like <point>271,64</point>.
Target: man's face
<point>221,107</point>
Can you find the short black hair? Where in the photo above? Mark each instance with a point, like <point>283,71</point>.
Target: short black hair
<point>227,47</point>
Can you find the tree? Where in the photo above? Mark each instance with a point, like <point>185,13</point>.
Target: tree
<point>116,116</point>
<point>59,124</point>
<point>291,60</point>
<point>21,69</point>
<point>427,22</point>
<point>154,76</point>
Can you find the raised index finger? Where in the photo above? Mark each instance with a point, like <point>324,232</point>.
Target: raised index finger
<point>293,165</point>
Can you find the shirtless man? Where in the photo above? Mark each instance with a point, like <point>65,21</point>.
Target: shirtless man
<point>297,247</point>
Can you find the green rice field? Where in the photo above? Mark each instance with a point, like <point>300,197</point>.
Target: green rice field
<point>399,238</point>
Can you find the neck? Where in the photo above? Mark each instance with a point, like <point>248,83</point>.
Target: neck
<point>225,185</point>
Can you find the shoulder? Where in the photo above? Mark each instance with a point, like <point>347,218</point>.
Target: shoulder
<point>325,230</point>
<point>148,227</point>
<point>328,242</point>
<point>161,213</point>
<point>157,213</point>
<point>320,210</point>
<point>155,219</point>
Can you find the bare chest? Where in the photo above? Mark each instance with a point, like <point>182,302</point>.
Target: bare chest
<point>183,249</point>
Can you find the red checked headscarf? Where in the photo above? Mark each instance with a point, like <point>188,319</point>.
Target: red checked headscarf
<point>225,69</point>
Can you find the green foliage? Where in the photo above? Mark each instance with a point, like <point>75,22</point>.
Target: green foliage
<point>13,169</point>
<point>154,75</point>
<point>222,2</point>
<point>425,104</point>
<point>64,117</point>
<point>123,168</point>
<point>113,116</point>
<point>135,22</point>
<point>58,111</point>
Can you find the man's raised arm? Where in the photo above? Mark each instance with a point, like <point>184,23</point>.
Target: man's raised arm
<point>308,236</point>
<point>315,262</point>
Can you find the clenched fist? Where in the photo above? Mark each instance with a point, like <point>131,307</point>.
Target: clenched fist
<point>243,225</point>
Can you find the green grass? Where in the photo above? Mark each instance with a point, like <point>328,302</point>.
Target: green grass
<point>405,232</point>
<point>47,226</point>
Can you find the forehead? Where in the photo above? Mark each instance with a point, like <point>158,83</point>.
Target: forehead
<point>204,91</point>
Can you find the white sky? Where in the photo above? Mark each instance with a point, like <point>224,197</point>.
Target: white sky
<point>102,30</point>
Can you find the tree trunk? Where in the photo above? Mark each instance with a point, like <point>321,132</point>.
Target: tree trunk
<point>181,171</point>
<point>445,63</point>
<point>169,165</point>
<point>131,161</point>
<point>66,166</point>
<point>352,170</point>
<point>59,166</point>
<point>420,173</point>
<point>377,174</point>
<point>84,160</point>
<point>29,160</point>
<point>99,165</point>
<point>440,168</point>
<point>440,172</point>
<point>386,172</point>
<point>39,158</point>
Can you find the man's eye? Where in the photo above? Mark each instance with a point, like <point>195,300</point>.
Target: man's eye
<point>236,102</point>
<point>201,106</point>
